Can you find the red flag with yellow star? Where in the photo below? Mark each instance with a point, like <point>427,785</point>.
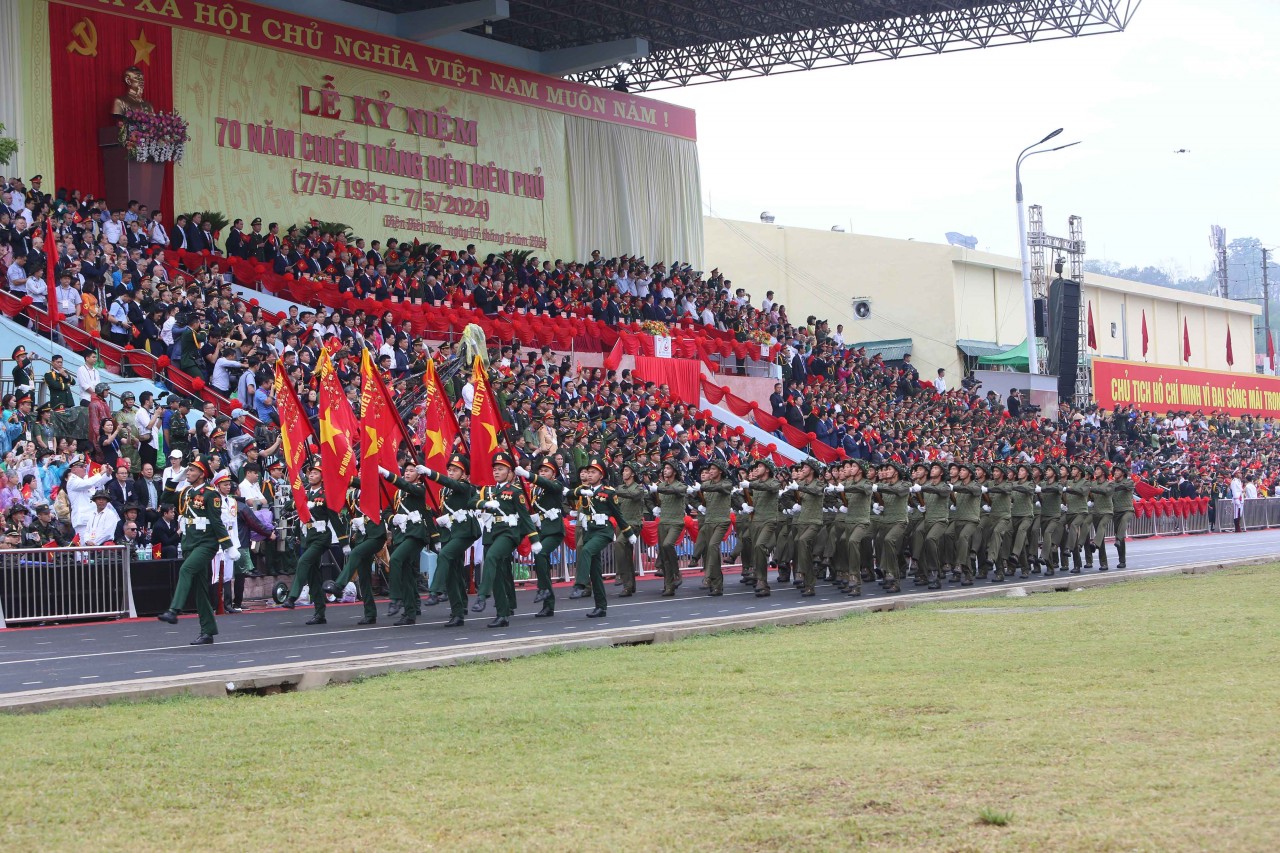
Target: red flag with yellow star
<point>295,430</point>
<point>380,437</point>
<point>486,427</point>
<point>338,426</point>
<point>441,432</point>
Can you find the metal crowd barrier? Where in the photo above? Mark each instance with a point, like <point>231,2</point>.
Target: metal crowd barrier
<point>1258,513</point>
<point>57,584</point>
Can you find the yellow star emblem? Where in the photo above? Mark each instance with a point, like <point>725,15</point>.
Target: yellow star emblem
<point>327,430</point>
<point>437,443</point>
<point>372,443</point>
<point>493,435</point>
<point>142,48</point>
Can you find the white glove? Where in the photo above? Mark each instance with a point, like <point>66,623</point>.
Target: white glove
<point>437,547</point>
<point>745,484</point>
<point>793,486</point>
<point>1037,504</point>
<point>875,487</point>
<point>588,491</point>
<point>1037,490</point>
<point>910,508</point>
<point>400,519</point>
<point>346,550</point>
<point>877,509</point>
<point>746,510</point>
<point>839,488</point>
<point>232,553</point>
<point>632,539</point>
<point>493,505</point>
<point>653,488</point>
<point>950,488</point>
<point>1064,507</point>
<point>702,510</point>
<point>1090,504</point>
<point>522,473</point>
<point>423,470</point>
<point>384,472</point>
<point>536,548</point>
<point>694,489</point>
<point>984,490</point>
<point>986,509</point>
<point>657,512</point>
<point>573,513</point>
<point>916,489</point>
<point>445,521</point>
<point>844,509</point>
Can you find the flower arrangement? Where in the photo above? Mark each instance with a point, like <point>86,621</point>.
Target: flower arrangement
<point>656,328</point>
<point>154,137</point>
<point>759,336</point>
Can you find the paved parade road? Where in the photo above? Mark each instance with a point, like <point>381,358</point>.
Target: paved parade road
<point>37,659</point>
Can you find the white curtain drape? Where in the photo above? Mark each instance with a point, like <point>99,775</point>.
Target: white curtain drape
<point>12,53</point>
<point>634,192</point>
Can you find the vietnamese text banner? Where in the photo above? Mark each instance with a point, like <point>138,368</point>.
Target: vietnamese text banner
<point>1161,388</point>
<point>325,40</point>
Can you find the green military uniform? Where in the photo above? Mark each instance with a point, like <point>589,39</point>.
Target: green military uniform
<point>744,530</point>
<point>632,501</point>
<point>597,509</point>
<point>713,527</point>
<point>204,535</point>
<point>317,535</point>
<point>891,526</point>
<point>1077,492</point>
<point>811,496</point>
<point>1051,499</point>
<point>60,394</point>
<point>503,513</point>
<point>857,499</point>
<point>672,499</point>
<point>458,531</point>
<point>1022,516</point>
<point>764,525</point>
<point>1000,493</point>
<point>967,496</point>
<point>367,539</point>
<point>548,515</point>
<point>1121,514</point>
<point>937,516</point>
<point>1099,514</point>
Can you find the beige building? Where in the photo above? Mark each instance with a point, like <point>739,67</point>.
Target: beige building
<point>935,299</point>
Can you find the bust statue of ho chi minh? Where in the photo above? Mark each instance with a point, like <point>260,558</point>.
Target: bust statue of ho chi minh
<point>132,98</point>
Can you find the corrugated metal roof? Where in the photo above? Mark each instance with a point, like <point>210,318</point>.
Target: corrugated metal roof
<point>978,349</point>
<point>890,350</point>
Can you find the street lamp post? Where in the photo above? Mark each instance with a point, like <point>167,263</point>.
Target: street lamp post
<point>1033,356</point>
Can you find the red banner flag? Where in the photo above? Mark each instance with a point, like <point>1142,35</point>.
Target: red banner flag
<point>1093,338</point>
<point>1186,341</point>
<point>1271,352</point>
<point>380,438</point>
<point>486,427</point>
<point>295,431</point>
<point>1144,333</point>
<point>51,273</point>
<point>338,428</point>
<point>441,431</point>
<point>1231,357</point>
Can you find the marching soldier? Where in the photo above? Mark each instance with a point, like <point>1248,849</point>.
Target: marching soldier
<point>857,499</point>
<point>368,536</point>
<point>411,532</point>
<point>1077,491</point>
<point>204,536</point>
<point>716,494</point>
<point>1121,508</point>
<point>672,499</point>
<point>744,550</point>
<point>811,493</point>
<point>458,531</point>
<point>504,517</point>
<point>967,495</point>
<point>548,514</point>
<point>597,509</point>
<point>1100,510</point>
<point>915,523</point>
<point>631,496</point>
<point>1051,503</point>
<point>893,523</point>
<point>1034,535</point>
<point>1022,516</point>
<point>324,528</point>
<point>936,494</point>
<point>1000,493</point>
<point>763,485</point>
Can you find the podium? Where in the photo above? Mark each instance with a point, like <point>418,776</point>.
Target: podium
<point>126,179</point>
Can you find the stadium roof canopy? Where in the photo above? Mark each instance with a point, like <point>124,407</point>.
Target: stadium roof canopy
<point>644,45</point>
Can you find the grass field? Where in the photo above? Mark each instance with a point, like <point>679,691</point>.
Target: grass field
<point>1138,717</point>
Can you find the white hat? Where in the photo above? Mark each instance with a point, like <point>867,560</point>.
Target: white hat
<point>175,454</point>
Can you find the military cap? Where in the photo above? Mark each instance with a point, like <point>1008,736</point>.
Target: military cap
<point>599,464</point>
<point>17,508</point>
<point>461,461</point>
<point>502,457</point>
<point>207,470</point>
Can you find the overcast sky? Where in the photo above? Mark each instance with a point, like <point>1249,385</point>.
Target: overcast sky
<point>918,147</point>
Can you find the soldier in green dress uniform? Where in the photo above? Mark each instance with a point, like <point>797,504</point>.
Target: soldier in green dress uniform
<point>503,511</point>
<point>458,531</point>
<point>411,532</point>
<point>323,530</point>
<point>204,535</point>
<point>763,486</point>
<point>673,497</point>
<point>597,510</point>
<point>548,515</point>
<point>632,497</point>
<point>716,491</point>
<point>366,540</point>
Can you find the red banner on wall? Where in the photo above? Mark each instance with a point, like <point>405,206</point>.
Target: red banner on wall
<point>1160,388</point>
<point>318,39</point>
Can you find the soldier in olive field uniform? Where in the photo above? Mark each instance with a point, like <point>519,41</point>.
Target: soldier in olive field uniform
<point>632,497</point>
<point>1077,491</point>
<point>672,501</point>
<point>715,492</point>
<point>810,492</point>
<point>1100,490</point>
<point>1122,486</point>
<point>891,523</point>
<point>763,486</point>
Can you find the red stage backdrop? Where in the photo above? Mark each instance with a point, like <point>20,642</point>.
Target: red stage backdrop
<point>1159,388</point>
<point>90,52</point>
<point>680,374</point>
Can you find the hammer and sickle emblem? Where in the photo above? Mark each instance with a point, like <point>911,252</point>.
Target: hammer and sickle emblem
<point>85,41</point>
